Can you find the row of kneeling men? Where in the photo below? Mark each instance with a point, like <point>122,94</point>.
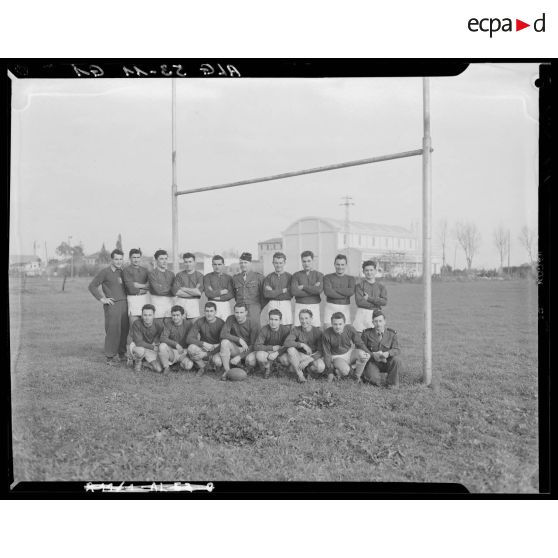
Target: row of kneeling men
<point>335,352</point>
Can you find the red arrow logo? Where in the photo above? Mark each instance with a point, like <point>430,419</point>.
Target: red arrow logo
<point>519,25</point>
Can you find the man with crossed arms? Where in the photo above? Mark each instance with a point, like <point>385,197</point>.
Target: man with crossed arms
<point>237,338</point>
<point>306,287</point>
<point>204,339</point>
<point>160,286</point>
<point>277,291</point>
<point>338,288</point>
<point>187,287</point>
<point>268,346</point>
<point>219,288</point>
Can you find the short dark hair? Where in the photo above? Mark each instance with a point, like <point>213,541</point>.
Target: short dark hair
<point>338,316</point>
<point>188,255</point>
<point>134,251</point>
<point>241,305</point>
<point>215,258</point>
<point>367,263</point>
<point>275,312</point>
<point>340,257</point>
<point>148,307</point>
<point>307,253</point>
<point>307,311</point>
<point>177,308</point>
<point>160,253</point>
<point>115,252</point>
<point>210,304</point>
<point>279,255</point>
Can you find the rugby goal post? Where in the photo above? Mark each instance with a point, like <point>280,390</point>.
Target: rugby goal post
<point>425,152</point>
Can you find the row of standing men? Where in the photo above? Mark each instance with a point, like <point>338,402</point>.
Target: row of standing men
<point>124,292</point>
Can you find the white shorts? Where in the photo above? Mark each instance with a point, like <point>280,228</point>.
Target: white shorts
<point>363,319</point>
<point>345,357</point>
<point>314,308</point>
<point>191,306</point>
<point>331,308</point>
<point>223,309</point>
<point>163,305</point>
<point>284,306</point>
<point>136,303</point>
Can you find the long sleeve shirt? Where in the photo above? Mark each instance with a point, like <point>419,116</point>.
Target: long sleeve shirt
<point>298,336</point>
<point>269,338</point>
<point>205,332</point>
<point>173,334</point>
<point>214,283</point>
<point>233,331</point>
<point>340,343</point>
<point>339,288</point>
<point>192,280</point>
<point>160,282</point>
<point>110,280</point>
<point>312,285</point>
<point>377,295</point>
<point>249,289</point>
<point>277,286</point>
<point>144,336</point>
<point>134,274</point>
<point>387,342</point>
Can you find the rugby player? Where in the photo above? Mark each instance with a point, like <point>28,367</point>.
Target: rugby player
<point>304,347</point>
<point>339,355</point>
<point>115,306</point>
<point>173,346</point>
<point>248,288</point>
<point>237,338</point>
<point>160,286</point>
<point>146,334</point>
<point>204,339</point>
<point>137,289</point>
<point>268,346</point>
<point>219,288</point>
<point>383,345</point>
<point>369,296</point>
<point>188,287</point>
<point>277,291</point>
<point>306,286</point>
<point>338,288</point>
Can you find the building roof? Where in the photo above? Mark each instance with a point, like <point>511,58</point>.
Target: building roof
<point>17,259</point>
<point>271,240</point>
<point>358,227</point>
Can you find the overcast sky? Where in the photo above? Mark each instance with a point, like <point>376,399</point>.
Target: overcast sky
<point>92,159</point>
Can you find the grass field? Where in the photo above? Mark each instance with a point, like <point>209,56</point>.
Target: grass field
<point>74,418</point>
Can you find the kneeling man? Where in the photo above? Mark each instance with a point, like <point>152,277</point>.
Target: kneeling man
<point>268,346</point>
<point>172,349</point>
<point>146,334</point>
<point>304,346</point>
<point>339,355</point>
<point>382,343</point>
<point>204,339</point>
<point>237,338</point>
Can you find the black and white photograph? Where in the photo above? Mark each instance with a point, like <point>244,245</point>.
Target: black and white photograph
<point>216,277</point>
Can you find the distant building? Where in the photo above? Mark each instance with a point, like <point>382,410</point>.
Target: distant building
<point>396,249</point>
<point>92,259</point>
<point>266,249</point>
<point>28,265</point>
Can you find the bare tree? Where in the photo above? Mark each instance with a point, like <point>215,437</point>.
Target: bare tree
<point>443,238</point>
<point>468,237</point>
<point>528,239</point>
<point>501,242</point>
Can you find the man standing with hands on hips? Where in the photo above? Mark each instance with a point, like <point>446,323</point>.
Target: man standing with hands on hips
<point>115,306</point>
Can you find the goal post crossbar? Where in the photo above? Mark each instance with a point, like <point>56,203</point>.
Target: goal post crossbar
<point>302,172</point>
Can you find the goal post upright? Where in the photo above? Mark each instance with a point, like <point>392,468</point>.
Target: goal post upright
<point>174,185</point>
<point>427,233</point>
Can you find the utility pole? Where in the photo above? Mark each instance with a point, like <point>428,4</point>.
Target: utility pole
<point>347,202</point>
